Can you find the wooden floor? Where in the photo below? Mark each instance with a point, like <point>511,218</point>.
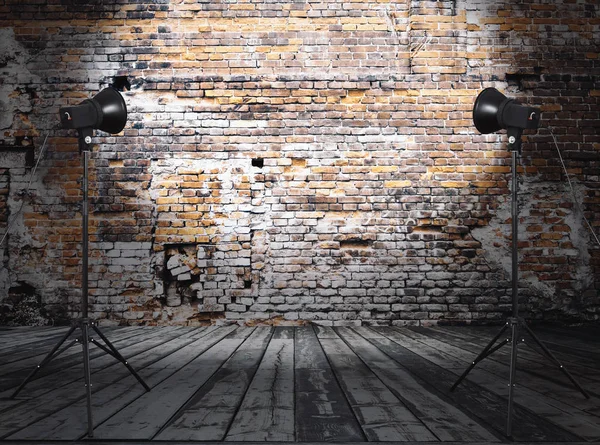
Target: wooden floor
<point>309,384</point>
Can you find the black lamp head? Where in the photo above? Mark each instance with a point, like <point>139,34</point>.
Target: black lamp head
<point>493,111</point>
<point>107,111</point>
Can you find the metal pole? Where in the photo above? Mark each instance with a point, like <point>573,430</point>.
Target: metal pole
<point>513,371</point>
<point>515,238</point>
<point>84,239</point>
<point>514,321</point>
<point>85,339</point>
<point>85,322</point>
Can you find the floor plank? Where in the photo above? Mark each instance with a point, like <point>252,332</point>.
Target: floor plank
<point>138,442</point>
<point>208,414</point>
<point>323,414</point>
<point>447,422</point>
<point>21,336</point>
<point>267,410</point>
<point>143,418</point>
<point>579,361</point>
<point>543,377</point>
<point>12,373</point>
<point>62,371</point>
<point>381,414</point>
<point>44,404</point>
<point>38,347</point>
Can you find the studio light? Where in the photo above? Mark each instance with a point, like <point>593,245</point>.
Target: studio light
<point>492,112</point>
<point>107,112</point>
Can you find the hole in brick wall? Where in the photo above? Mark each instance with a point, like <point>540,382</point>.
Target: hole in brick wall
<point>258,162</point>
<point>181,271</point>
<point>427,229</point>
<point>355,244</point>
<point>121,83</point>
<point>22,145</point>
<point>31,92</point>
<point>137,83</point>
<point>522,81</point>
<point>23,307</point>
<point>196,276</point>
<point>23,291</point>
<point>590,11</point>
<point>23,141</point>
<point>205,318</point>
<point>247,284</point>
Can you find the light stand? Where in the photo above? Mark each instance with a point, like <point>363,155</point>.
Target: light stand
<point>489,116</point>
<point>107,111</point>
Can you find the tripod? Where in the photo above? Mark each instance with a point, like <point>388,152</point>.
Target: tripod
<point>515,323</point>
<point>84,324</point>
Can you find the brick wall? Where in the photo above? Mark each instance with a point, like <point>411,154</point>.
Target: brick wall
<point>287,161</point>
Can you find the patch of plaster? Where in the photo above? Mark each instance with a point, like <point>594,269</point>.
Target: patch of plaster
<point>581,239</point>
<point>24,252</point>
<point>495,239</point>
<point>28,191</point>
<point>14,75</point>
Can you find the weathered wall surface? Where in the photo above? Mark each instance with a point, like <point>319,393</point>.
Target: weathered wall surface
<point>287,161</point>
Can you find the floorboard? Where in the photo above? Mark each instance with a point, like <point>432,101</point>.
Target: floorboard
<point>209,413</point>
<point>311,384</point>
<point>578,357</point>
<point>267,410</point>
<point>45,399</point>
<point>381,414</point>
<point>145,416</point>
<point>446,421</point>
<point>323,413</point>
<point>156,365</point>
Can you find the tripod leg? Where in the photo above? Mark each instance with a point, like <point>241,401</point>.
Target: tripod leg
<point>45,361</point>
<point>481,356</point>
<point>88,377</point>
<point>513,369</point>
<point>556,362</point>
<point>65,348</point>
<point>495,348</point>
<point>119,357</point>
